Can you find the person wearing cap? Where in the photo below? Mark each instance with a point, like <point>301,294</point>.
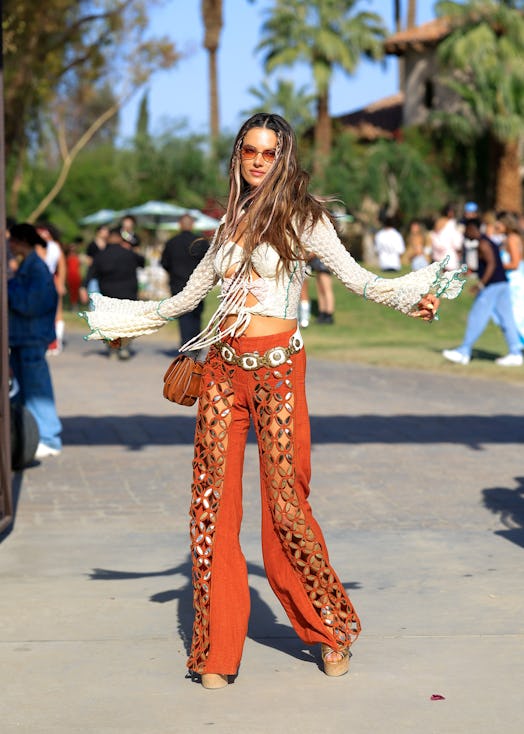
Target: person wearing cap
<point>32,303</point>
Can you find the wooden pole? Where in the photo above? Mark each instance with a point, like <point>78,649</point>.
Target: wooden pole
<point>6,496</point>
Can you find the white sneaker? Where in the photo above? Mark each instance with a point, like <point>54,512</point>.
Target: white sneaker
<point>43,451</point>
<point>510,360</point>
<point>453,355</point>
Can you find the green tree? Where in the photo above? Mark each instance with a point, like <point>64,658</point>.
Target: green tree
<point>325,34</point>
<point>177,168</point>
<point>483,59</point>
<point>401,177</point>
<point>60,64</point>
<point>295,105</point>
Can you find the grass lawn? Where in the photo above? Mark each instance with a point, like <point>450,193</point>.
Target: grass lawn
<point>367,333</point>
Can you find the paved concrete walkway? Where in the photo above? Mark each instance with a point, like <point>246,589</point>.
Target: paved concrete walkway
<point>418,483</point>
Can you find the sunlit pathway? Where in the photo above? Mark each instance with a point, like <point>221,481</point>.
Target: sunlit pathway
<point>419,486</point>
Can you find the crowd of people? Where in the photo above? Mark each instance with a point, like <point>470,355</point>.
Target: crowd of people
<point>490,246</point>
<point>42,270</point>
<point>459,238</point>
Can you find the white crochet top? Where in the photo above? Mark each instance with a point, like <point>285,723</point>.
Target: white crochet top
<point>274,290</point>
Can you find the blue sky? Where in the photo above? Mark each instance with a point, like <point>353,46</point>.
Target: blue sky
<point>182,93</point>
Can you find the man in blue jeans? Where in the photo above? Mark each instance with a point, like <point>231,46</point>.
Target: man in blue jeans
<point>493,299</point>
<point>32,300</point>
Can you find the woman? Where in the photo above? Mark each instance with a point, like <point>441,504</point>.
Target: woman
<point>512,258</point>
<point>417,246</point>
<point>446,239</point>
<point>255,369</point>
<point>325,294</point>
<point>73,273</point>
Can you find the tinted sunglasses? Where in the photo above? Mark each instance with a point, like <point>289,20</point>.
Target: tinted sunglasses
<point>248,153</point>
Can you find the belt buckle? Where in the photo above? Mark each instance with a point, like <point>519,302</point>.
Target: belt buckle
<point>249,361</point>
<point>276,356</point>
<point>228,354</point>
<point>296,343</point>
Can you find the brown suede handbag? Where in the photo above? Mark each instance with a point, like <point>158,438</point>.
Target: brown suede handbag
<point>182,380</point>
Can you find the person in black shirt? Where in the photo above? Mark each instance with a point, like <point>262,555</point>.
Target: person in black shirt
<point>114,268</point>
<point>493,299</point>
<point>99,242</point>
<point>181,255</point>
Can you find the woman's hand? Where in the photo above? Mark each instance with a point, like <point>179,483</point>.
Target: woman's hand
<point>427,307</point>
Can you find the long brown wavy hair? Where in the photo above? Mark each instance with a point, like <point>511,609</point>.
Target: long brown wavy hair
<point>281,207</point>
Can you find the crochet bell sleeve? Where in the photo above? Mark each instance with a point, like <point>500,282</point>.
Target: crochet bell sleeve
<point>402,293</point>
<point>114,318</point>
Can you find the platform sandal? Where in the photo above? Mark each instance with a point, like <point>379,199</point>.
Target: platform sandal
<point>214,680</point>
<point>335,668</point>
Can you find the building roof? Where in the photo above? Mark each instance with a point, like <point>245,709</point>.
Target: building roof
<point>418,38</point>
<point>381,119</point>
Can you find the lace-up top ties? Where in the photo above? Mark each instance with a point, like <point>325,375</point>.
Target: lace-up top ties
<point>255,286</point>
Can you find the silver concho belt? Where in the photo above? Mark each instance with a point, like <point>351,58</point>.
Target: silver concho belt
<point>253,360</point>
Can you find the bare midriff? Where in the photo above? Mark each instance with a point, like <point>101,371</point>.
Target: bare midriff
<point>263,325</point>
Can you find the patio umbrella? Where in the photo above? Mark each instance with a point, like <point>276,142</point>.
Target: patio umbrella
<point>202,223</point>
<point>103,216</point>
<point>156,211</point>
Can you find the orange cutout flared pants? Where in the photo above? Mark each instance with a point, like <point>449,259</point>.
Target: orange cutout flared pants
<point>294,551</point>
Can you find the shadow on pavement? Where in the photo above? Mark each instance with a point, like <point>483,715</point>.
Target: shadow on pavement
<point>509,504</point>
<point>141,430</point>
<point>263,627</point>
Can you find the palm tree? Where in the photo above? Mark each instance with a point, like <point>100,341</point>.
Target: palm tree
<point>412,14</point>
<point>397,15</point>
<point>324,34</point>
<point>296,105</point>
<point>484,59</point>
<point>212,17</point>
